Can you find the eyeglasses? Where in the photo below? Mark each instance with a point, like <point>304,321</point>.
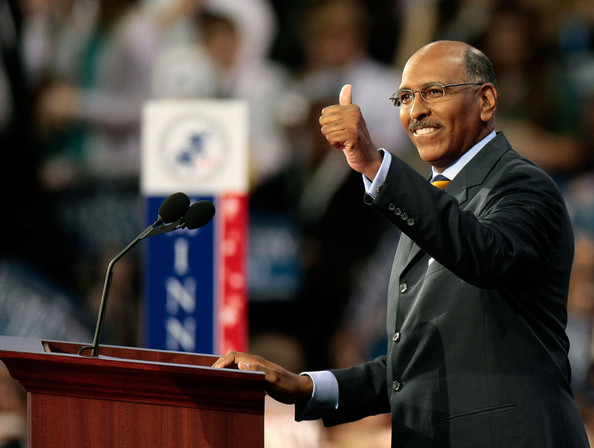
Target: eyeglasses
<point>431,92</point>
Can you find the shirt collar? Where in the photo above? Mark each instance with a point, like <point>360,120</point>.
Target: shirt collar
<point>452,171</point>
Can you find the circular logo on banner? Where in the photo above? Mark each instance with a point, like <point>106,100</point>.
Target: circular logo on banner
<point>192,148</point>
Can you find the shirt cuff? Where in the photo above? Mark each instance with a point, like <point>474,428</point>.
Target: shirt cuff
<point>324,398</point>
<point>372,188</point>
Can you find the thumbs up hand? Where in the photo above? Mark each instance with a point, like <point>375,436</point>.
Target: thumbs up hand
<point>344,128</point>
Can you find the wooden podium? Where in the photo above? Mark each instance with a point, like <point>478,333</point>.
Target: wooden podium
<point>129,397</point>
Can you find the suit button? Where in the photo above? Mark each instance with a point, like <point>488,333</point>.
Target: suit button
<point>396,337</point>
<point>397,212</point>
<point>403,288</point>
<point>404,216</point>
<point>396,386</point>
<point>411,222</point>
<point>391,207</point>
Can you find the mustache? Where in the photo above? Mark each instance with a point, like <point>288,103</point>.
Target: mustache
<point>418,124</point>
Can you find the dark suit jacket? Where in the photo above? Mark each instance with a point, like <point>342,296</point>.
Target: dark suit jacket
<point>476,311</point>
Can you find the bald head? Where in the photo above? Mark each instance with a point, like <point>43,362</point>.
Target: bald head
<point>473,63</point>
<point>453,50</point>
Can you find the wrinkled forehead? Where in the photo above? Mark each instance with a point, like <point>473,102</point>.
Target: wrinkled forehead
<point>434,64</point>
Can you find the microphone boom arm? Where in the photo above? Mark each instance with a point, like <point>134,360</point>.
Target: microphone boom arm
<point>107,284</point>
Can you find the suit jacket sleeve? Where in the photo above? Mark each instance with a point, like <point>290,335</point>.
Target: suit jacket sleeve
<point>362,392</point>
<point>506,238</point>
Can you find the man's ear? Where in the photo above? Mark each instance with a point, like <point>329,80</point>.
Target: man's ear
<point>488,95</point>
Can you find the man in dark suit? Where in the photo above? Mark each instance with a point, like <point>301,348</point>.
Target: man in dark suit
<point>477,297</point>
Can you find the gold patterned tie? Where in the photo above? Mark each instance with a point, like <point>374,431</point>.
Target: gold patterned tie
<point>440,181</point>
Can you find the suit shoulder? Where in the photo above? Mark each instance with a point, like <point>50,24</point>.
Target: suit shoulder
<point>514,164</point>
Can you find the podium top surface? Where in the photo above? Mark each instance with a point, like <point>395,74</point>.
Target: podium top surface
<point>134,374</point>
<point>17,347</point>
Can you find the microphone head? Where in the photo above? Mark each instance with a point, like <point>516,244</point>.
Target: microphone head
<point>199,214</point>
<point>174,207</point>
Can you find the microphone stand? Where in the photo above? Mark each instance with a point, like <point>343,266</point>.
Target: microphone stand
<point>151,230</point>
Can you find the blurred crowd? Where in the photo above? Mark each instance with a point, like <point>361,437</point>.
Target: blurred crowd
<point>74,75</point>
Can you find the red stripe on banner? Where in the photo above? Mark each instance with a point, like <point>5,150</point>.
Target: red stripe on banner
<point>231,250</point>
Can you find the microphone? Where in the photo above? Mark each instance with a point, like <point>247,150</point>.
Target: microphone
<point>198,214</point>
<point>174,207</point>
<point>176,211</point>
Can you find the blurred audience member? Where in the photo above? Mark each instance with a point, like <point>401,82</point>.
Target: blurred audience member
<point>17,178</point>
<point>93,117</point>
<point>55,33</point>
<point>335,37</point>
<point>537,107</point>
<point>26,235</point>
<point>230,60</point>
<point>419,22</point>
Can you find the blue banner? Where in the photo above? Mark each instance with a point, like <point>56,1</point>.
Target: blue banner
<point>179,286</point>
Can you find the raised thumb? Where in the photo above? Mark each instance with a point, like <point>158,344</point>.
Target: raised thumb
<point>346,95</point>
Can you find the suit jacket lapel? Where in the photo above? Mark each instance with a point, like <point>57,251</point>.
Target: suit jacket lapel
<point>477,170</point>
<point>473,174</point>
<point>403,251</point>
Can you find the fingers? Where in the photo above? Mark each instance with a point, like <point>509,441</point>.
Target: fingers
<point>252,366</point>
<point>346,95</point>
<point>340,124</point>
<point>230,359</point>
<point>224,361</point>
<point>282,385</point>
<point>242,361</point>
<point>335,120</point>
<point>245,366</point>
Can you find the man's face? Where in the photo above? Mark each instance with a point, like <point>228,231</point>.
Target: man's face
<point>444,129</point>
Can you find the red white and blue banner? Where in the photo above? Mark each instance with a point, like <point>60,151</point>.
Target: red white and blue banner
<point>195,281</point>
